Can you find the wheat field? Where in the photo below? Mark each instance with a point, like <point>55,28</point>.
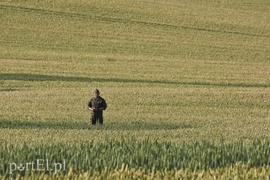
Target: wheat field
<point>170,71</point>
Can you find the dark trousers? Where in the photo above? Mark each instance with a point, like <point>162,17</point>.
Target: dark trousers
<point>96,118</point>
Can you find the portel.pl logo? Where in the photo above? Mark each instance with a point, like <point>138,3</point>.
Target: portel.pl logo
<point>38,165</point>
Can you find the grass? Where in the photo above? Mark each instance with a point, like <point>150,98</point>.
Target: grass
<point>110,156</point>
<point>40,77</point>
<point>170,71</point>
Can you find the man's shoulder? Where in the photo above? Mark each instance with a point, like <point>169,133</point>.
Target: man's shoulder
<point>97,99</point>
<point>101,98</point>
<point>92,99</point>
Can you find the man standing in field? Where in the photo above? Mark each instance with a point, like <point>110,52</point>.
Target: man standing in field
<point>97,105</point>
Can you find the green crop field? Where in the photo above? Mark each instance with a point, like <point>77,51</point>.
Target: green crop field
<point>187,83</point>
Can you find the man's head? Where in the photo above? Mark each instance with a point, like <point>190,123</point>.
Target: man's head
<point>96,93</point>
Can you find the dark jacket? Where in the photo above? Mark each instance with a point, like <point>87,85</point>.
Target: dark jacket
<point>97,103</point>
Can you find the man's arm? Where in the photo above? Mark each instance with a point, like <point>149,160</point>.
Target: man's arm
<point>91,109</point>
<point>104,105</point>
<point>90,106</point>
<point>101,109</point>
